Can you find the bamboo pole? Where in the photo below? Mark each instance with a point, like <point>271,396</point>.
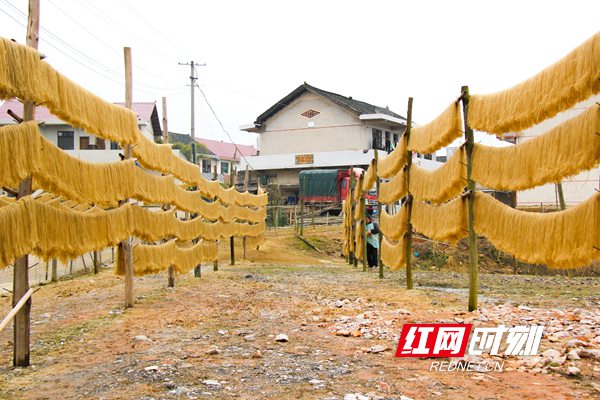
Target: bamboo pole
<point>473,268</point>
<point>409,199</point>
<point>22,323</point>
<point>216,262</point>
<point>16,308</point>
<point>379,209</point>
<point>126,251</point>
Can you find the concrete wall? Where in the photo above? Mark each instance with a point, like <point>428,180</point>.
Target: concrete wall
<point>334,129</point>
<point>50,132</point>
<point>577,188</point>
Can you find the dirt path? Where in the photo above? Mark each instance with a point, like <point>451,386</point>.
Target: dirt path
<point>214,337</point>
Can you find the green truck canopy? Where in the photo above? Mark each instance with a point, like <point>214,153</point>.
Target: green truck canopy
<point>318,182</point>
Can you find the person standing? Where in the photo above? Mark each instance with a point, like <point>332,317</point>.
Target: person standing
<point>372,241</point>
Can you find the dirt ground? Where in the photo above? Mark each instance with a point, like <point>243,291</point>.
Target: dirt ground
<point>215,337</point>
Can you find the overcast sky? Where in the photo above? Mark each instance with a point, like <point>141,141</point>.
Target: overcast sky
<point>256,52</point>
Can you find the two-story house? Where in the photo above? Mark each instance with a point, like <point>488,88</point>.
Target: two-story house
<point>77,142</point>
<point>313,128</point>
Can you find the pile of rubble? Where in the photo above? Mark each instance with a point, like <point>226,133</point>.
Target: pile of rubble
<point>570,336</point>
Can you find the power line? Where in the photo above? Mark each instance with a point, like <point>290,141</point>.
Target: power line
<point>140,16</point>
<point>103,69</point>
<point>225,130</point>
<point>111,48</point>
<point>99,13</point>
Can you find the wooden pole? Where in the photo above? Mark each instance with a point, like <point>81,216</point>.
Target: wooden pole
<point>351,257</point>
<point>379,208</point>
<point>409,199</point>
<point>166,207</point>
<point>301,215</point>
<point>125,245</point>
<point>54,276</point>
<point>231,239</point>
<point>561,196</point>
<point>246,176</point>
<point>84,264</point>
<point>216,262</point>
<point>22,323</point>
<point>96,260</point>
<point>295,219</point>
<point>363,211</point>
<point>473,268</point>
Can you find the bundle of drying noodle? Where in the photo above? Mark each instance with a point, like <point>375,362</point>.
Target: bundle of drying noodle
<point>565,150</point>
<point>566,239</point>
<point>24,75</point>
<point>6,201</point>
<point>394,190</point>
<point>394,226</point>
<point>444,223</point>
<point>438,133</point>
<point>152,259</point>
<point>160,157</point>
<point>359,210</point>
<point>55,231</point>
<point>25,152</point>
<point>393,162</point>
<point>347,238</point>
<point>441,184</point>
<point>358,191</point>
<point>393,254</point>
<point>358,241</point>
<point>557,88</point>
<point>370,178</point>
<point>255,241</point>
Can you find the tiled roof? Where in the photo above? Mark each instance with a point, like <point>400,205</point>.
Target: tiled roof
<point>227,151</point>
<point>356,106</point>
<point>143,110</point>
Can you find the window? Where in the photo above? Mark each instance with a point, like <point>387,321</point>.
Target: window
<point>115,146</point>
<point>224,167</point>
<point>206,166</point>
<point>84,142</point>
<point>388,143</point>
<point>395,140</point>
<point>66,140</point>
<point>377,139</point>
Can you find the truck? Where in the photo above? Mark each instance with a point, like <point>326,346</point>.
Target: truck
<point>331,186</point>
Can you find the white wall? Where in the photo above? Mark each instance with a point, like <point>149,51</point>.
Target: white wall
<point>334,128</point>
<point>50,132</point>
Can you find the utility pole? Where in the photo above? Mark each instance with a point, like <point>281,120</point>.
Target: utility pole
<point>193,79</point>
<point>193,84</point>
